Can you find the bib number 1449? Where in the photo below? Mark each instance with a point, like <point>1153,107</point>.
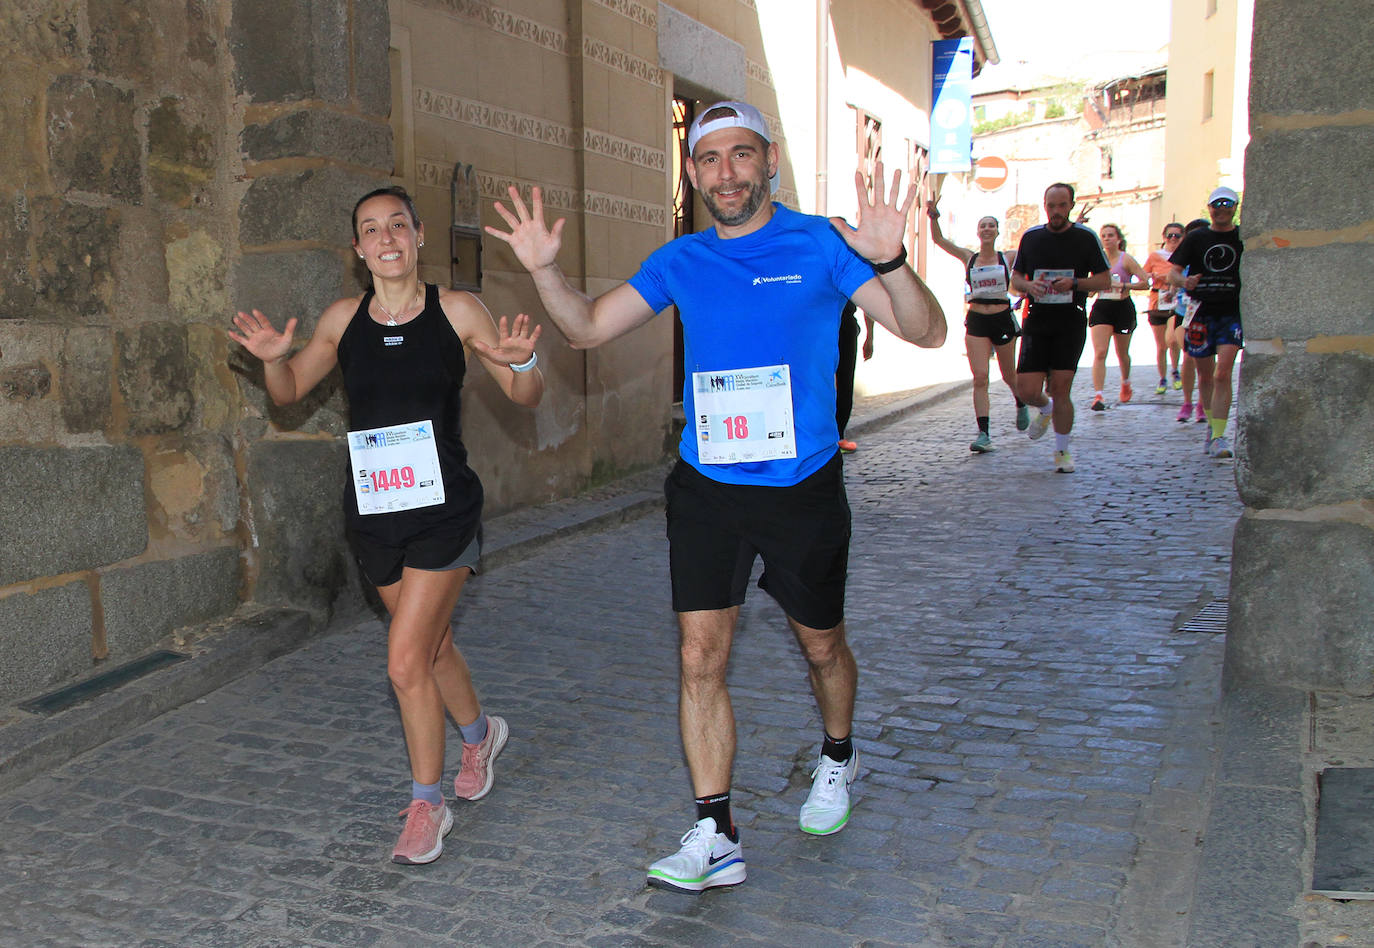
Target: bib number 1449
<point>398,478</point>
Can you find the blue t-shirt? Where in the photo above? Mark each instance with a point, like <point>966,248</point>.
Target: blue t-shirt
<point>770,297</point>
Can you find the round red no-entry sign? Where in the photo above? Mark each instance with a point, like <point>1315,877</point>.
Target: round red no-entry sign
<point>990,172</point>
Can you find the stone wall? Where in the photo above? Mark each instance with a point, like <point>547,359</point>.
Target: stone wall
<point>166,161</point>
<point>1302,585</point>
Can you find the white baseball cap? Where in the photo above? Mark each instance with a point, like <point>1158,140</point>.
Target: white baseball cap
<point>1223,192</point>
<point>744,116</point>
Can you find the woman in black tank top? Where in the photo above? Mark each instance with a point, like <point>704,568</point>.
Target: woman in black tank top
<point>414,506</point>
<point>990,326</point>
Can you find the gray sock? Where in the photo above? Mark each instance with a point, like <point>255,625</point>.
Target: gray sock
<point>429,792</point>
<point>476,732</point>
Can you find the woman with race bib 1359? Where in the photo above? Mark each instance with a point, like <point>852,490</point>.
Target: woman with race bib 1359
<point>990,326</point>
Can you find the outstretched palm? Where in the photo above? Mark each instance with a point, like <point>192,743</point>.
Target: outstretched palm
<point>514,343</point>
<point>535,245</point>
<point>255,333</point>
<point>881,229</point>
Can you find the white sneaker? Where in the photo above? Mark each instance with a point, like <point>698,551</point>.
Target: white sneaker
<point>826,809</point>
<point>1220,448</point>
<point>1063,462</point>
<point>1040,423</point>
<point>707,859</point>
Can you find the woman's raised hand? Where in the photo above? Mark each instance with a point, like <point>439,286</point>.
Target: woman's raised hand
<point>514,341</point>
<point>255,333</point>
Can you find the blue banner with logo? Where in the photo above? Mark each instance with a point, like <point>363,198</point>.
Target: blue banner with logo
<point>951,131</point>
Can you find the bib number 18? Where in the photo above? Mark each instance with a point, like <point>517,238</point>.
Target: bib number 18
<point>736,427</point>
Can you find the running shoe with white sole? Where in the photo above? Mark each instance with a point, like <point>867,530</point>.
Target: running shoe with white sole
<point>1040,423</point>
<point>1221,448</point>
<point>982,444</point>
<point>707,859</point>
<point>1063,462</point>
<point>475,774</point>
<point>422,838</point>
<point>826,809</point>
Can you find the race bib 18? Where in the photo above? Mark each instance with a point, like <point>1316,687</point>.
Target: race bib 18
<point>744,415</point>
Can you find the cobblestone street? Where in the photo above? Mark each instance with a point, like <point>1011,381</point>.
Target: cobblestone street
<point>1037,739</point>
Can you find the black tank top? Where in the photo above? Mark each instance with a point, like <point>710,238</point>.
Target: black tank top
<point>395,375</point>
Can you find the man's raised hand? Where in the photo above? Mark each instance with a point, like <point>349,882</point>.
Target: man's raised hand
<point>534,245</point>
<point>882,222</point>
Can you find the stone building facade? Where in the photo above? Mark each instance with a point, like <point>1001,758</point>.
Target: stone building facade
<point>1302,578</point>
<point>1209,72</point>
<point>169,161</point>
<point>1105,137</point>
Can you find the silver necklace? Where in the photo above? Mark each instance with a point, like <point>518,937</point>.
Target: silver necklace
<point>390,317</point>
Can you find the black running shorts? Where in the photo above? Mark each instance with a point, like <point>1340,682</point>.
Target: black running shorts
<point>382,564</point>
<point>1053,344</point>
<point>1001,327</point>
<point>1119,314</point>
<point>802,533</point>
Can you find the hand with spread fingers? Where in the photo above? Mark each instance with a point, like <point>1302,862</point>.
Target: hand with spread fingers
<point>514,341</point>
<point>535,245</point>
<point>881,228</point>
<point>255,333</point>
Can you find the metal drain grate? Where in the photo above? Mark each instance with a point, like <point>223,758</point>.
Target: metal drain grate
<point>1210,618</point>
<point>64,698</point>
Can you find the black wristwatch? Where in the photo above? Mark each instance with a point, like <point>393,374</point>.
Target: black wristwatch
<point>892,264</point>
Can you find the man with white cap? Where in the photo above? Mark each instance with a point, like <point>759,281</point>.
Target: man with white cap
<point>1212,333</point>
<point>760,296</point>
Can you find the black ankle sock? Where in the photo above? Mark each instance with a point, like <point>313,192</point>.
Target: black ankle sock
<point>838,751</point>
<point>717,807</point>
<point>1020,404</point>
<point>983,423</point>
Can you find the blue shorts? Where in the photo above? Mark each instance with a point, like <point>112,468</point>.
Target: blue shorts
<point>1201,337</point>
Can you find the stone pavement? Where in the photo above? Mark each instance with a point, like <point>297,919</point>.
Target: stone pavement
<point>1043,752</point>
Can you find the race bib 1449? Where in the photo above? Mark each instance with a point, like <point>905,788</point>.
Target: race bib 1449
<point>395,468</point>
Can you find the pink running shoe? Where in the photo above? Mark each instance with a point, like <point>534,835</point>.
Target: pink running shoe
<point>1201,415</point>
<point>1185,412</point>
<point>422,839</point>
<point>475,776</point>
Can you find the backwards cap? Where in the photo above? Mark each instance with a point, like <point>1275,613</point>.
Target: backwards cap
<point>730,115</point>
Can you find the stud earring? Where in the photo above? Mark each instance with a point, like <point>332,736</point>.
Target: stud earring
<point>422,243</point>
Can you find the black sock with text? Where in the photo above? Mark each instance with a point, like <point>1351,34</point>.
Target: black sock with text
<point>717,807</point>
<point>838,750</point>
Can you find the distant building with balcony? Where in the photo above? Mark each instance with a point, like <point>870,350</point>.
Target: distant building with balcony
<point>1105,136</point>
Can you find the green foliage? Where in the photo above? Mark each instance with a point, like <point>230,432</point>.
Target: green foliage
<point>1006,121</point>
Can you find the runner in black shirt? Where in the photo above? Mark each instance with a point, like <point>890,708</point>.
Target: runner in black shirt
<point>1057,265</point>
<point>1212,334</point>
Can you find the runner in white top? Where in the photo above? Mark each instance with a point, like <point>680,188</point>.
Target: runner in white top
<point>990,325</point>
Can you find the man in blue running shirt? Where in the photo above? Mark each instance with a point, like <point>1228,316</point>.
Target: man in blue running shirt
<point>760,295</point>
